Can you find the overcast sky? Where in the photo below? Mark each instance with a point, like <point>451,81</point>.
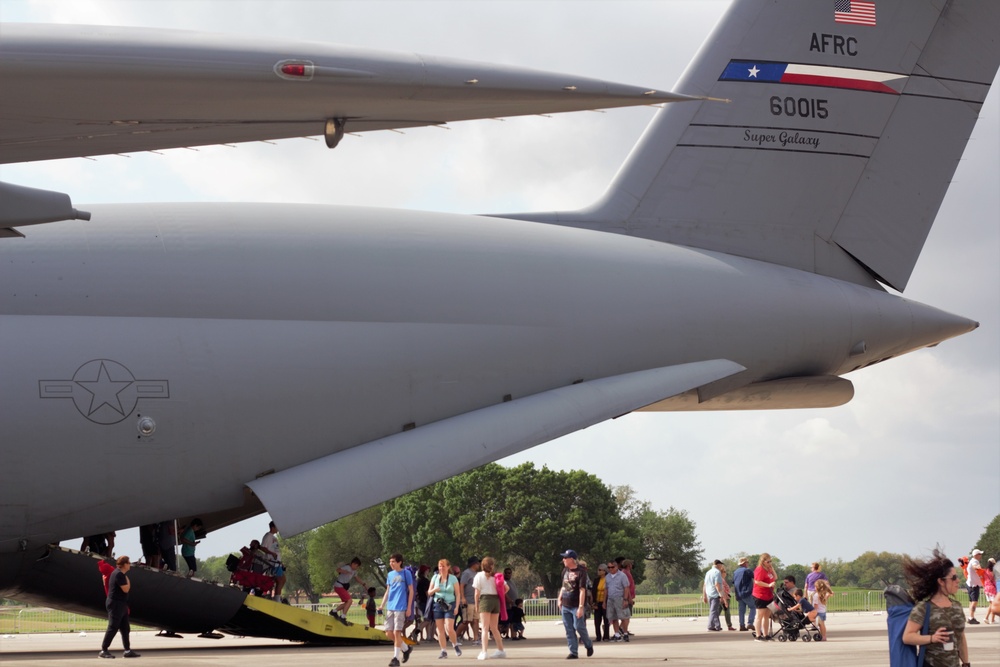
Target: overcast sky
<point>912,461</point>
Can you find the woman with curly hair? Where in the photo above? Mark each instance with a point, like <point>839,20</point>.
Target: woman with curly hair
<point>933,584</point>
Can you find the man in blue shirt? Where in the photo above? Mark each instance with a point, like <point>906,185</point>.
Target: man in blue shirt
<point>397,601</point>
<point>712,594</point>
<point>743,588</point>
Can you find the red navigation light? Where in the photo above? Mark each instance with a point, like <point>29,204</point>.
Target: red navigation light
<point>291,69</point>
<point>295,70</point>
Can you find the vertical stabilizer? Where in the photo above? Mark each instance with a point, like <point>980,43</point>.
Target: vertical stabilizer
<point>846,123</point>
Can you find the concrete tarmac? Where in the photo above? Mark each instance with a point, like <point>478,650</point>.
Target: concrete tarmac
<point>857,640</point>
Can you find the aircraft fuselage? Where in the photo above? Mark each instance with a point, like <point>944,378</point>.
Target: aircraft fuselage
<point>193,348</point>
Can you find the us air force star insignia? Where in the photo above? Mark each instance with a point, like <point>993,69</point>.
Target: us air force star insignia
<point>753,71</point>
<point>104,391</point>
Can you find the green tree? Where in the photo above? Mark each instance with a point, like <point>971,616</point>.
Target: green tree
<point>989,541</point>
<point>213,569</point>
<point>295,559</point>
<point>418,526</point>
<point>669,537</point>
<point>876,570</point>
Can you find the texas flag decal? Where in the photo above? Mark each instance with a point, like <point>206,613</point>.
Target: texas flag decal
<point>814,75</point>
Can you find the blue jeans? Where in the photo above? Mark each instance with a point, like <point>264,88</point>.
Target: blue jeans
<point>744,606</point>
<point>573,626</point>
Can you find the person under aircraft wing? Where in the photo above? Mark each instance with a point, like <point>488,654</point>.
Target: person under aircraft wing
<point>73,91</point>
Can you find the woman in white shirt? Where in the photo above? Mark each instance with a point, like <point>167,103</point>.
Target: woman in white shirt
<point>488,606</point>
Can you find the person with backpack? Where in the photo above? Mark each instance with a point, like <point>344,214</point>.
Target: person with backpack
<point>933,585</point>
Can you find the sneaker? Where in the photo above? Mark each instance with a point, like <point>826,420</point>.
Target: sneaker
<point>732,629</point>
<point>616,638</point>
<point>131,654</point>
<point>499,654</point>
<point>572,656</point>
<point>625,637</point>
<point>105,654</point>
<point>394,663</point>
<point>973,621</point>
<point>458,650</point>
<point>481,656</point>
<point>406,654</point>
<point>590,650</point>
<point>444,654</point>
<point>743,628</point>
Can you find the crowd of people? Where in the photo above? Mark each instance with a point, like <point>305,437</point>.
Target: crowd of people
<point>481,604</point>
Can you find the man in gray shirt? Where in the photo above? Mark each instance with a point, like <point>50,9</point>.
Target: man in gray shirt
<point>618,590</point>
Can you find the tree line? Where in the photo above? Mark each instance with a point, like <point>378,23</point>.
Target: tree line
<point>524,517</point>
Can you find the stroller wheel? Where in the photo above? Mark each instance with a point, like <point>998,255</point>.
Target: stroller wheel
<point>818,637</point>
<point>782,638</point>
<point>806,637</point>
<point>793,636</point>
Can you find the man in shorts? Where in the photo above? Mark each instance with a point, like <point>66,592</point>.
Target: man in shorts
<point>616,585</point>
<point>345,573</point>
<point>975,584</point>
<point>469,617</point>
<point>397,601</point>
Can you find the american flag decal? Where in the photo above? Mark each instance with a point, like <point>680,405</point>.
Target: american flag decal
<point>855,12</point>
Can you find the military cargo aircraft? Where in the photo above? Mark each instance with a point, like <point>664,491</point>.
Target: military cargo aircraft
<point>739,260</point>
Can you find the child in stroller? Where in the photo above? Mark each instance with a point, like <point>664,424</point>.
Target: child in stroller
<point>795,616</point>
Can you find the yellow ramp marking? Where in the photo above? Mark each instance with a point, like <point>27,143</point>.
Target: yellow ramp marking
<point>322,625</point>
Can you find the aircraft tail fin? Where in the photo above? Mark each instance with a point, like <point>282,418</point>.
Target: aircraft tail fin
<point>846,123</point>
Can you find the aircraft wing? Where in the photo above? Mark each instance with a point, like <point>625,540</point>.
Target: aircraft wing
<point>72,91</point>
<point>301,497</point>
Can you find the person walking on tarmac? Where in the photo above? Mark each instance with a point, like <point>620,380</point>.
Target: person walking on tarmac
<point>117,606</point>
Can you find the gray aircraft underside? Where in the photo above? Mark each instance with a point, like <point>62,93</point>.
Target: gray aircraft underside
<point>237,358</point>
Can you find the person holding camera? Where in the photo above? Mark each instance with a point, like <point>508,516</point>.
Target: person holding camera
<point>443,593</point>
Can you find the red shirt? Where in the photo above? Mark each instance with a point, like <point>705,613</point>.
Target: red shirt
<point>106,569</point>
<point>763,592</point>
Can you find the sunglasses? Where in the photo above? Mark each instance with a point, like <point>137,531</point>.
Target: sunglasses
<point>953,577</point>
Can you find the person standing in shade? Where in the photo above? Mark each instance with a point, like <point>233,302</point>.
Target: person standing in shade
<point>573,604</point>
<point>397,600</point>
<point>117,606</point>
<point>272,552</point>
<point>743,588</point>
<point>188,543</point>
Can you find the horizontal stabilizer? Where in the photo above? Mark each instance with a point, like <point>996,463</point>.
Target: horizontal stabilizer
<point>119,90</point>
<point>301,498</point>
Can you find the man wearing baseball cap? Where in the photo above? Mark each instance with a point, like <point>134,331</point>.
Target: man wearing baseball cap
<point>573,603</point>
<point>975,584</point>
